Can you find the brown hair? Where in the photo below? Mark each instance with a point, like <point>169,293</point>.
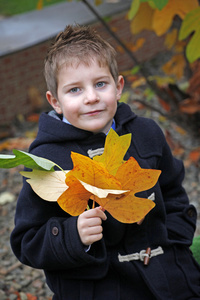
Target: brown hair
<point>77,44</point>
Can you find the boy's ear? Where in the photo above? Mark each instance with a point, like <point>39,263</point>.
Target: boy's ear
<point>120,86</point>
<point>53,102</point>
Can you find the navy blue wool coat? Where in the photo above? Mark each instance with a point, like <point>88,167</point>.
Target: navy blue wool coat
<point>46,237</point>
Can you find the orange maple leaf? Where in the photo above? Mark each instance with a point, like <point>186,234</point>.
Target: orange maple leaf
<point>175,66</point>
<point>143,19</point>
<point>162,19</point>
<point>128,208</point>
<point>75,199</point>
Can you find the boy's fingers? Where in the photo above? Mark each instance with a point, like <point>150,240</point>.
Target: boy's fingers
<point>102,214</point>
<point>95,212</point>
<point>140,222</point>
<point>89,240</point>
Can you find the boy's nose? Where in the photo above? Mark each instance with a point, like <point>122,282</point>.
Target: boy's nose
<point>91,96</point>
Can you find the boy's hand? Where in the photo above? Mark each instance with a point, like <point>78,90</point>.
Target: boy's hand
<point>90,225</point>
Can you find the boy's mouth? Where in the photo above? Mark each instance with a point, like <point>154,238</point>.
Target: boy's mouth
<point>93,113</point>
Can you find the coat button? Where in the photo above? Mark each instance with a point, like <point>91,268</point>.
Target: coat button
<point>55,230</point>
<point>190,212</point>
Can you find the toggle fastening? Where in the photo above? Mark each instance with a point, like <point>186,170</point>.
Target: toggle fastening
<point>143,255</point>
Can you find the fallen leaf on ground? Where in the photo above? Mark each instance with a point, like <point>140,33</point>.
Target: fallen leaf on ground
<point>6,197</point>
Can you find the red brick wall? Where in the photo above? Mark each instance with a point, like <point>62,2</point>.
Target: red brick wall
<point>20,71</point>
<point>24,69</point>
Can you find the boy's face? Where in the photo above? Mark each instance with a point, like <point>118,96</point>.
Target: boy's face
<point>87,96</point>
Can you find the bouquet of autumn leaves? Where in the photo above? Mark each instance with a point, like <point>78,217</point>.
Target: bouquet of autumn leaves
<point>106,179</point>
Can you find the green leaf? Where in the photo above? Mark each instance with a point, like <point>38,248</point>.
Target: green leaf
<point>28,160</point>
<point>125,97</point>
<point>195,248</point>
<point>191,25</point>
<point>135,70</point>
<point>159,4</point>
<point>193,48</point>
<point>149,94</point>
<point>133,9</point>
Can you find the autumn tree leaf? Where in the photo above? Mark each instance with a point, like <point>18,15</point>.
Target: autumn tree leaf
<point>135,4</point>
<point>125,97</point>
<point>175,66</point>
<point>162,20</point>
<point>75,199</point>
<point>162,80</point>
<point>191,105</point>
<point>139,82</point>
<point>48,185</point>
<point>114,151</point>
<point>128,208</point>
<point>171,38</point>
<point>135,178</point>
<point>153,3</point>
<point>28,160</point>
<point>101,193</point>
<point>138,44</point>
<point>159,4</point>
<point>191,25</point>
<point>194,155</point>
<point>143,19</point>
<point>92,172</point>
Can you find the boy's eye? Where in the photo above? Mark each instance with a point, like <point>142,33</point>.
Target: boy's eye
<point>74,90</point>
<point>100,84</point>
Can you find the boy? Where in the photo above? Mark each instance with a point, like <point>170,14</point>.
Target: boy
<point>93,256</point>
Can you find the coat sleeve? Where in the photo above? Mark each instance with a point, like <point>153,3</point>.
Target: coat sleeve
<point>180,215</point>
<point>46,237</point>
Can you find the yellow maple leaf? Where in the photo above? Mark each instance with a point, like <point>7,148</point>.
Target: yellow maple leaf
<point>114,151</point>
<point>180,46</point>
<point>143,19</point>
<point>162,19</point>
<point>94,173</point>
<point>171,38</point>
<point>139,82</point>
<point>175,66</point>
<point>138,44</point>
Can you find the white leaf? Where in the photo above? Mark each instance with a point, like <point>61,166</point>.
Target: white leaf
<point>48,185</point>
<point>6,197</point>
<point>101,193</point>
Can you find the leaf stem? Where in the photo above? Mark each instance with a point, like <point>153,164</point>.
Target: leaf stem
<point>93,204</point>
